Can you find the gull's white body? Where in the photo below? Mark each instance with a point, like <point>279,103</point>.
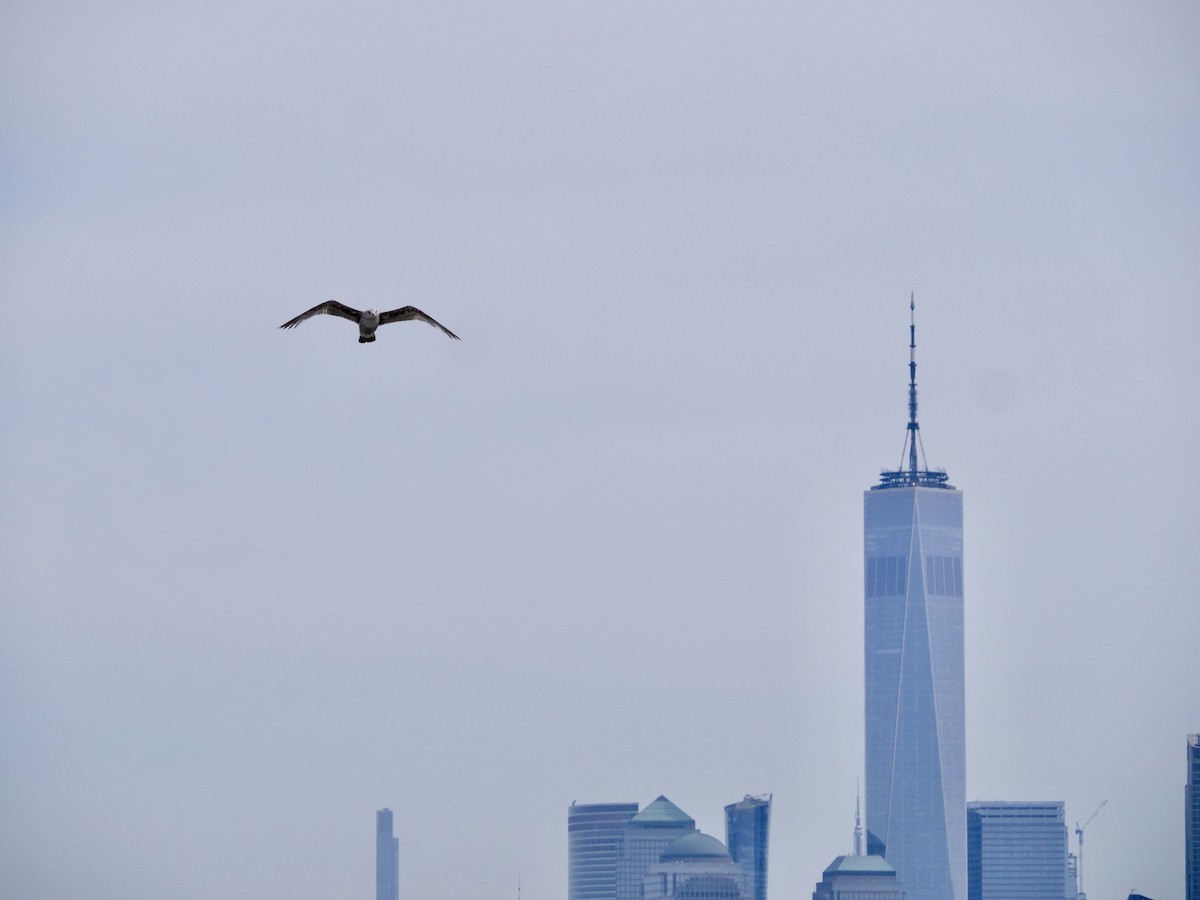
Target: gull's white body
<point>367,324</point>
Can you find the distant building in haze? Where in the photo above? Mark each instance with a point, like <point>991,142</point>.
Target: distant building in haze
<point>1018,850</point>
<point>595,833</point>
<point>644,838</point>
<point>696,867</point>
<point>915,707</point>
<point>616,852</point>
<point>387,858</point>
<point>1191,803</point>
<point>859,878</point>
<point>858,832</point>
<point>747,834</point>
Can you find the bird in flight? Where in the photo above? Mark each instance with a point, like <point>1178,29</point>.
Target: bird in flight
<point>369,319</point>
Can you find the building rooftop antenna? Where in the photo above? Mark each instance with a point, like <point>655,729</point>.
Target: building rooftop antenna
<point>914,428</point>
<point>858,833</point>
<point>918,472</point>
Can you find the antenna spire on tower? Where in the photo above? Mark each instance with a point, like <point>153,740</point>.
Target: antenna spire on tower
<point>913,426</point>
<point>916,472</point>
<point>858,834</point>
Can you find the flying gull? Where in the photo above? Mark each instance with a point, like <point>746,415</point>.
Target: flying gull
<point>368,320</point>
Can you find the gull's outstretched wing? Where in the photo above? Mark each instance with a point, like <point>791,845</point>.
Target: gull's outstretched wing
<point>404,313</point>
<point>329,307</point>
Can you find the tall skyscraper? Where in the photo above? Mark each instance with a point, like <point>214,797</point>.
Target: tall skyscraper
<point>1191,804</point>
<point>1017,850</point>
<point>915,730</point>
<point>747,831</point>
<point>595,833</point>
<point>387,858</point>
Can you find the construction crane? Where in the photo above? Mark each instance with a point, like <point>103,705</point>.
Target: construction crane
<point>1079,829</point>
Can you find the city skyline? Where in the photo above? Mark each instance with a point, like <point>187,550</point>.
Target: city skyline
<point>616,850</point>
<point>256,583</point>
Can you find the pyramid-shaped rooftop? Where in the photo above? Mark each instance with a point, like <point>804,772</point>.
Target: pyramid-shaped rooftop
<point>860,865</point>
<point>662,813</point>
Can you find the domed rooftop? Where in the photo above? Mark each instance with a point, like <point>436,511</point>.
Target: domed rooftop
<point>695,846</point>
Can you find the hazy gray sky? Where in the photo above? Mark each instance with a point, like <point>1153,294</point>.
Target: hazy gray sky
<point>257,584</point>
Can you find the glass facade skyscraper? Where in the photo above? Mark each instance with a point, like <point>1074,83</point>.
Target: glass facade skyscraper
<point>595,836</point>
<point>915,706</point>
<point>747,833</point>
<point>387,858</point>
<point>645,837</point>
<point>1191,808</point>
<point>1017,851</point>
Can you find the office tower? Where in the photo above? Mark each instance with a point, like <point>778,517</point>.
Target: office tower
<point>696,867</point>
<point>644,838</point>
<point>1017,850</point>
<point>915,734</point>
<point>747,830</point>
<point>387,858</point>
<point>1191,830</point>
<point>594,838</point>
<point>859,878</point>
